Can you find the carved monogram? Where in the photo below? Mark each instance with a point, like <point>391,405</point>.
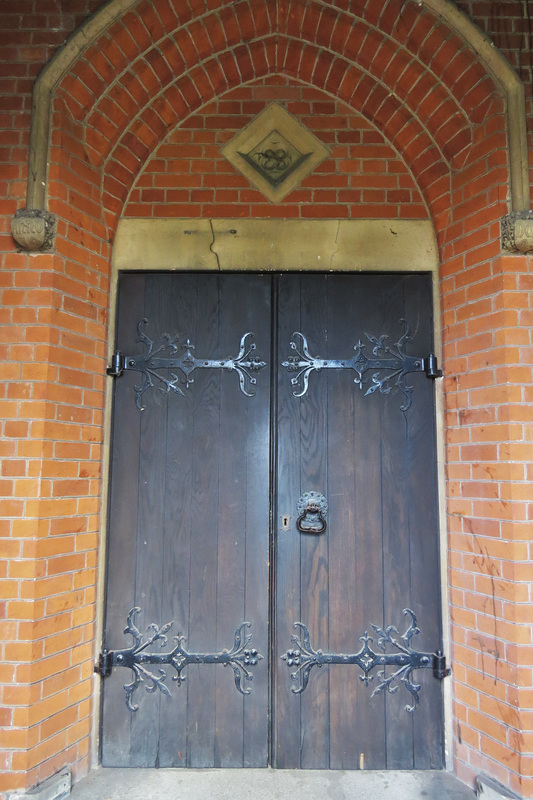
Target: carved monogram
<point>517,232</point>
<point>33,229</point>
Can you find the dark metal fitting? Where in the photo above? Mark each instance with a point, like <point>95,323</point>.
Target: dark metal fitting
<point>105,664</point>
<point>312,510</point>
<point>138,659</point>
<point>440,670</point>
<point>402,660</point>
<point>118,362</point>
<point>432,367</point>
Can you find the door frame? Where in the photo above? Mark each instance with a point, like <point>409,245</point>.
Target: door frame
<point>277,245</point>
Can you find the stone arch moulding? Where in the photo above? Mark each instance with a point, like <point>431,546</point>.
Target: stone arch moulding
<point>517,227</point>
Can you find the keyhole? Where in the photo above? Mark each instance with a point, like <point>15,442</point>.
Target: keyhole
<point>285,523</point>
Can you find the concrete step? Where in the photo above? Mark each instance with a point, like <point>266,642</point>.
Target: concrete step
<point>260,784</point>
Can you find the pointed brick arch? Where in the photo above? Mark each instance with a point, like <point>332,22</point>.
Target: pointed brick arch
<point>151,70</point>
<point>449,103</point>
<point>189,93</point>
<point>390,58</point>
<point>414,74</point>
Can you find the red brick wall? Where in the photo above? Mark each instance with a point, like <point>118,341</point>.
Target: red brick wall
<point>509,25</point>
<point>427,120</point>
<point>53,311</point>
<point>487,356</point>
<point>188,176</point>
<point>30,32</point>
<point>33,29</point>
<point>52,315</point>
<point>487,332</point>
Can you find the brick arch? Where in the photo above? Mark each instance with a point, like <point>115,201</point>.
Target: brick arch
<point>481,308</point>
<point>334,75</point>
<point>188,176</point>
<point>138,80</point>
<point>445,38</point>
<point>155,57</point>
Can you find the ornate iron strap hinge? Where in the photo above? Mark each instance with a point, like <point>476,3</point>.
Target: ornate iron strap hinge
<point>240,658</point>
<point>149,362</point>
<point>404,660</point>
<point>393,359</point>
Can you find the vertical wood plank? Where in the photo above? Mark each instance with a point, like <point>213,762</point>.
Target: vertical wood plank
<point>422,494</point>
<point>286,710</point>
<point>243,522</point>
<point>122,524</point>
<point>201,680</point>
<point>314,566</point>
<point>231,561</point>
<point>181,303</point>
<point>145,724</point>
<point>356,586</point>
<point>396,533</point>
<point>256,456</point>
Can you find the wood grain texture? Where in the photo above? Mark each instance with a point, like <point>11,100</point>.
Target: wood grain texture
<point>288,488</point>
<point>122,523</point>
<point>199,486</point>
<point>197,477</point>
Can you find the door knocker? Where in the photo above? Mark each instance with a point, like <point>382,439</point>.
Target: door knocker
<point>312,512</point>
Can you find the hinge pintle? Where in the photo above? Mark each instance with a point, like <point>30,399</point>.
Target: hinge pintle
<point>118,362</point>
<point>431,366</point>
<point>105,663</point>
<point>440,670</point>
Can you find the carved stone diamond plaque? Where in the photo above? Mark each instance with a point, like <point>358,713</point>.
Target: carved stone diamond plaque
<point>275,152</point>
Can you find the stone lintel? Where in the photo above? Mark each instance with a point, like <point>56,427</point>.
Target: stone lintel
<point>275,244</point>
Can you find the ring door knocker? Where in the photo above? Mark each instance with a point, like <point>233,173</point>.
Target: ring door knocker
<point>312,511</point>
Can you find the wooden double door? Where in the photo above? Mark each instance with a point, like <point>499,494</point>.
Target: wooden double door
<point>273,463</point>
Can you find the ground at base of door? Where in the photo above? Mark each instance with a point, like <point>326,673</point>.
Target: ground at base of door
<point>259,784</point>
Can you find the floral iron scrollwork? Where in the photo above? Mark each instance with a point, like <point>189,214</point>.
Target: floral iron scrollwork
<point>403,659</point>
<point>152,361</point>
<point>241,658</point>
<point>385,356</point>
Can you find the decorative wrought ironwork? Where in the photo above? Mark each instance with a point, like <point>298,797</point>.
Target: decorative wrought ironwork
<point>312,510</point>
<point>241,658</point>
<point>150,362</point>
<point>394,359</point>
<point>403,659</point>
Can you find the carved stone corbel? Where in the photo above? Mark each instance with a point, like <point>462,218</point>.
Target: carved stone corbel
<point>517,232</point>
<point>34,229</point>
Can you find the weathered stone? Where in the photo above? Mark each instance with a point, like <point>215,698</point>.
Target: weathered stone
<point>517,232</point>
<point>490,789</point>
<point>33,229</point>
<point>275,244</point>
<point>55,788</point>
<point>275,152</point>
